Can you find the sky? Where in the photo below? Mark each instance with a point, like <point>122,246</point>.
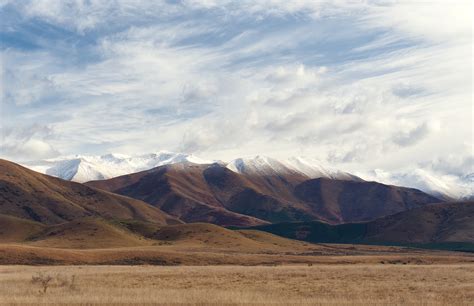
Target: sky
<point>362,84</point>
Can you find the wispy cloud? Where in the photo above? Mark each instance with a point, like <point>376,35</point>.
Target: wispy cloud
<point>364,83</point>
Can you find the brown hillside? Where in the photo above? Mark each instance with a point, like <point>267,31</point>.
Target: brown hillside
<point>97,233</point>
<point>446,222</point>
<point>354,201</point>
<point>442,225</point>
<point>30,195</point>
<point>14,229</point>
<point>215,194</point>
<point>179,189</point>
<point>97,241</point>
<point>213,236</point>
<point>87,233</point>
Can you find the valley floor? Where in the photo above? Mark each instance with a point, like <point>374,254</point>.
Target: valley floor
<point>365,284</point>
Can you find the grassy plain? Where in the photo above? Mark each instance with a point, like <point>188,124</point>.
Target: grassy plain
<point>367,284</point>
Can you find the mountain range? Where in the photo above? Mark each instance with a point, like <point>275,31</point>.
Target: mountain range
<point>84,168</point>
<point>187,203</point>
<point>270,193</point>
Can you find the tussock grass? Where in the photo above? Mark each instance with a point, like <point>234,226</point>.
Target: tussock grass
<point>370,284</point>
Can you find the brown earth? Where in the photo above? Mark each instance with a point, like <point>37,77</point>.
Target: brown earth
<point>215,194</point>
<point>447,226</point>
<point>445,222</point>
<point>14,229</point>
<point>98,241</point>
<point>30,195</point>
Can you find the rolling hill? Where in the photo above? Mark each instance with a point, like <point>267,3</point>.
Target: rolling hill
<point>15,229</point>
<point>447,222</point>
<point>98,233</point>
<point>214,193</point>
<point>444,225</point>
<point>33,196</point>
<point>85,233</point>
<point>93,240</point>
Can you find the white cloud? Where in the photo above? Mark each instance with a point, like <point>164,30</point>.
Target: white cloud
<point>413,135</point>
<point>356,83</point>
<point>27,143</point>
<point>436,21</point>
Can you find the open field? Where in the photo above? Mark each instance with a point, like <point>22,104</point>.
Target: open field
<point>317,284</point>
<point>191,254</point>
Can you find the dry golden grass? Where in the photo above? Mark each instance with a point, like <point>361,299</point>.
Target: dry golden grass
<point>368,284</point>
<point>191,254</point>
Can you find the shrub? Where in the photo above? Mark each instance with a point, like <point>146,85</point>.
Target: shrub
<point>43,280</point>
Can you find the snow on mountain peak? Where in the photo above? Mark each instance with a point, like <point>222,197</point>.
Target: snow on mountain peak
<point>440,185</point>
<point>114,156</point>
<point>83,168</point>
<point>259,164</point>
<point>266,165</point>
<point>314,168</point>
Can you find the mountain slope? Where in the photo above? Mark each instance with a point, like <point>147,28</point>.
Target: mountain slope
<point>34,196</point>
<point>446,222</point>
<point>85,233</point>
<point>349,201</point>
<point>179,189</point>
<point>15,229</point>
<point>214,193</point>
<point>442,223</point>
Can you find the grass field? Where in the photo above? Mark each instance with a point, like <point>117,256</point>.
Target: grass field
<point>317,284</point>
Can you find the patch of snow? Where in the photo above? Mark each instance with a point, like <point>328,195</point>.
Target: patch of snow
<point>316,169</point>
<point>264,165</point>
<point>84,168</point>
<point>440,185</point>
<point>261,165</point>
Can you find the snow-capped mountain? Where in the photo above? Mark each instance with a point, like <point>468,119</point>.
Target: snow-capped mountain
<point>263,165</point>
<point>440,185</point>
<point>260,165</point>
<point>84,168</point>
<point>315,169</point>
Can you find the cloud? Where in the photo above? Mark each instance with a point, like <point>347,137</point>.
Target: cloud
<point>414,135</point>
<point>405,90</point>
<point>436,21</point>
<point>452,164</point>
<point>361,84</point>
<point>27,143</point>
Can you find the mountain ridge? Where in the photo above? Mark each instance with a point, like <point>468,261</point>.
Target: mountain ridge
<point>213,193</point>
<point>83,168</point>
